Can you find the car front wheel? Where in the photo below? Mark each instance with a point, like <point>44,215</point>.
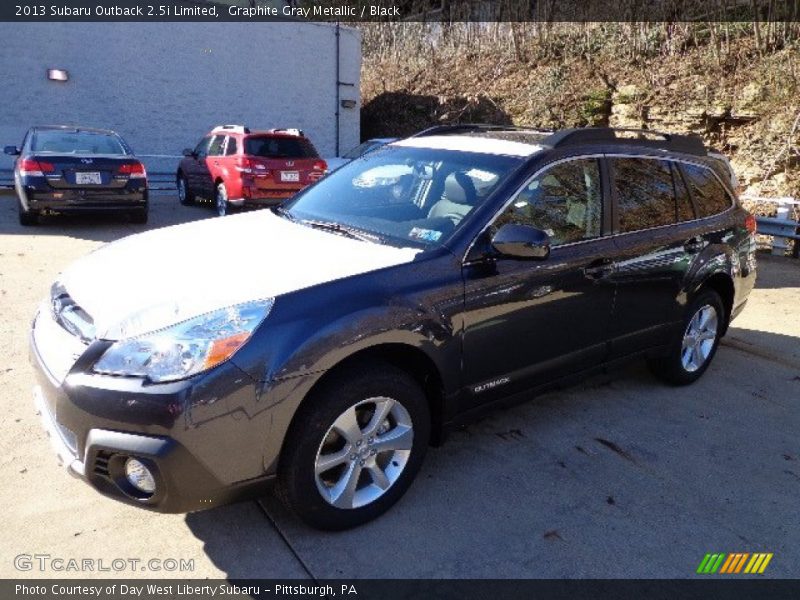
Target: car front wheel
<point>691,355</point>
<point>354,447</point>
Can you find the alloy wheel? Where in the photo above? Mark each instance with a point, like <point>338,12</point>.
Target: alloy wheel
<point>699,338</point>
<point>364,452</point>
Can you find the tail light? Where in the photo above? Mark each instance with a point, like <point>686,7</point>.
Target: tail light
<point>34,168</point>
<point>319,168</point>
<point>243,165</point>
<point>133,170</point>
<point>750,224</point>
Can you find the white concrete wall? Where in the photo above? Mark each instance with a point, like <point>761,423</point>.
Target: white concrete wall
<point>163,85</point>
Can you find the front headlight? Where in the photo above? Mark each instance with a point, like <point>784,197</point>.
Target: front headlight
<point>190,347</point>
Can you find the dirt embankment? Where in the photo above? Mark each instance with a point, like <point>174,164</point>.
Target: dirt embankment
<point>740,95</point>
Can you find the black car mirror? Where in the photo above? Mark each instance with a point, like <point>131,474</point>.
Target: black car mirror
<point>12,150</point>
<point>521,241</point>
<point>189,153</point>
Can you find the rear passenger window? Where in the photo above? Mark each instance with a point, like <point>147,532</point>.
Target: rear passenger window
<point>215,149</point>
<point>645,193</point>
<point>710,197</point>
<point>565,202</point>
<point>685,210</point>
<point>231,148</point>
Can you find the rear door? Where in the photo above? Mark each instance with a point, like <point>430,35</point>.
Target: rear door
<point>212,166</point>
<point>530,321</point>
<point>655,246</point>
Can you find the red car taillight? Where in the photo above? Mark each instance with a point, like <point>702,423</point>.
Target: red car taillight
<point>133,170</point>
<point>34,168</point>
<point>243,165</point>
<point>320,165</point>
<point>750,224</point>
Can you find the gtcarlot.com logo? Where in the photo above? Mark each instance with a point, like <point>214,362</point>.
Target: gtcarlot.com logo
<point>47,562</point>
<point>734,563</point>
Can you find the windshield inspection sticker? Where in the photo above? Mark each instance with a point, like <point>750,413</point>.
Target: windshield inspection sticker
<point>426,235</point>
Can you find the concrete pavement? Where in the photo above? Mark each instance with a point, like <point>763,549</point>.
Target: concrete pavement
<point>617,477</point>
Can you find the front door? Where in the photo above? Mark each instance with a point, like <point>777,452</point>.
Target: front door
<point>530,321</point>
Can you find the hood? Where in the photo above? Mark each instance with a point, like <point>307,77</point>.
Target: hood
<point>151,280</point>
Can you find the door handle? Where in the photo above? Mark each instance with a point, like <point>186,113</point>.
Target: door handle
<point>694,245</point>
<point>600,269</point>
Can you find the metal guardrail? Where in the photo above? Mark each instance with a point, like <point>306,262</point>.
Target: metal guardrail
<point>780,227</point>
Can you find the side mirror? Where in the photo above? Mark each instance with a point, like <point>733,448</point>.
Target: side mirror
<point>188,152</point>
<point>521,241</point>
<point>12,151</point>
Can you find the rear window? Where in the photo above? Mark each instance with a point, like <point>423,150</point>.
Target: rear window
<point>76,142</point>
<point>279,147</point>
<point>645,193</point>
<point>685,210</point>
<point>710,197</point>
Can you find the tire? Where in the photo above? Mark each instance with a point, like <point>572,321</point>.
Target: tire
<point>321,498</point>
<point>27,218</point>
<point>185,195</point>
<point>139,216</point>
<point>221,204</point>
<point>694,349</point>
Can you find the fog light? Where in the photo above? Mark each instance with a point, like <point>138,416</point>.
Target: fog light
<point>139,476</point>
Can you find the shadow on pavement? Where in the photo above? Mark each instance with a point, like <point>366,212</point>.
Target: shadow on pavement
<point>165,210</point>
<point>241,541</point>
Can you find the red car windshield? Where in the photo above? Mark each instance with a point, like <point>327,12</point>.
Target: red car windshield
<point>279,147</point>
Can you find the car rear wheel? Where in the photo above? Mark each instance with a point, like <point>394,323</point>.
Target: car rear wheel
<point>221,200</point>
<point>27,218</point>
<point>692,353</point>
<point>354,447</point>
<point>184,195</point>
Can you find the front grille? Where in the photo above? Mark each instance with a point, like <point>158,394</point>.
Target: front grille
<point>101,463</point>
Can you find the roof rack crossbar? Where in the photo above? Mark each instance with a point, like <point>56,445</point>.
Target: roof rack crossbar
<point>233,128</point>
<point>688,144</point>
<point>475,127</point>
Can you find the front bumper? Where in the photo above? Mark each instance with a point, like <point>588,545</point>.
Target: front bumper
<point>201,451</point>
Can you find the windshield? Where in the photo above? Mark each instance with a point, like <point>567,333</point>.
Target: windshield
<point>404,196</point>
<point>76,142</point>
<point>279,147</point>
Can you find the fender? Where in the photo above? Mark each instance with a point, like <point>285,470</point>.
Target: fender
<point>714,259</point>
<point>311,331</point>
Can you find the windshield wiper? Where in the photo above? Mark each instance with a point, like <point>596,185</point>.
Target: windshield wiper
<point>284,213</point>
<point>344,230</point>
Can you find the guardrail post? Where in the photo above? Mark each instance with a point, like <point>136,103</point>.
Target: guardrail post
<point>780,244</point>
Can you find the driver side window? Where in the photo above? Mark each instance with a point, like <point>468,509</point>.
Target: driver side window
<point>565,201</point>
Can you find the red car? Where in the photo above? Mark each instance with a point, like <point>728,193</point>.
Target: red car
<point>237,167</point>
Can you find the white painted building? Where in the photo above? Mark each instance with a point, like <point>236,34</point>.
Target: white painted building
<point>163,85</point>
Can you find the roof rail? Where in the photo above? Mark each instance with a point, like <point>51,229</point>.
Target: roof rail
<point>475,127</point>
<point>688,144</point>
<point>289,130</point>
<point>233,128</point>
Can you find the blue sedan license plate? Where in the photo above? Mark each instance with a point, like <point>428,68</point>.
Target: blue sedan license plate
<point>88,178</point>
